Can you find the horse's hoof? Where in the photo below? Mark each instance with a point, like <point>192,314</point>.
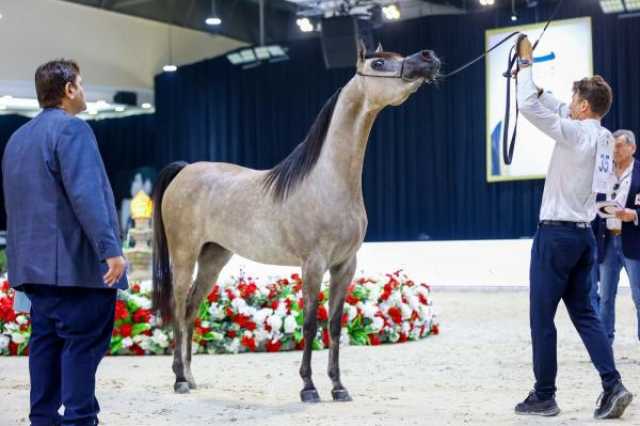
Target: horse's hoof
<point>181,387</point>
<point>341,395</point>
<point>309,395</point>
<point>192,385</point>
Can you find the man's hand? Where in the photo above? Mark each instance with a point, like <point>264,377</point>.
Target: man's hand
<point>626,215</point>
<point>525,51</point>
<point>117,267</point>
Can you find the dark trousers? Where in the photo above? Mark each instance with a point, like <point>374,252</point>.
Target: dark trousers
<point>71,331</point>
<point>561,263</point>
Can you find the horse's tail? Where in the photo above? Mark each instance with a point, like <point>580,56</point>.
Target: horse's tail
<point>162,286</point>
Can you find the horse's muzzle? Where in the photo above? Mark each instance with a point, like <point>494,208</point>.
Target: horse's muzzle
<point>424,64</point>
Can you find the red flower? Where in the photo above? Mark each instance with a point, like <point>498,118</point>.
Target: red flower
<point>435,329</point>
<point>125,330</point>
<point>249,343</point>
<point>121,310</point>
<point>247,290</point>
<point>320,297</point>
<point>135,288</point>
<point>137,350</point>
<point>351,299</point>
<point>403,337</point>
<point>13,348</point>
<point>245,322</point>
<point>5,286</point>
<point>301,303</point>
<point>274,304</point>
<point>273,345</point>
<point>296,277</point>
<point>300,344</point>
<point>142,315</point>
<point>214,295</point>
<point>325,338</point>
<point>229,312</point>
<point>396,314</point>
<point>344,320</point>
<point>231,334</point>
<point>374,339</point>
<point>423,299</point>
<point>230,294</point>
<point>24,327</point>
<point>322,313</point>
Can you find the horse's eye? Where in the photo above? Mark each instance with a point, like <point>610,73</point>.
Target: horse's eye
<point>377,64</point>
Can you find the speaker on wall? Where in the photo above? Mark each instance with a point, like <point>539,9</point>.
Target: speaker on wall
<point>340,36</point>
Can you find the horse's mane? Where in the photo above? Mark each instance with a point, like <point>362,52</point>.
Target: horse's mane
<point>291,171</point>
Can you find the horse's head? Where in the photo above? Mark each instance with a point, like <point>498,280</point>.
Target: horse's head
<point>389,78</point>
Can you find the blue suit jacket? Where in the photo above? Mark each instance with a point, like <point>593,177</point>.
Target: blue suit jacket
<point>630,232</point>
<point>61,216</point>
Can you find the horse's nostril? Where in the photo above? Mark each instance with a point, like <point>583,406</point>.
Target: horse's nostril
<point>426,54</point>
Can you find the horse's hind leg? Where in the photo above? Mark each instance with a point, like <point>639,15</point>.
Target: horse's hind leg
<point>341,277</point>
<point>312,273</point>
<point>210,262</point>
<point>182,278</point>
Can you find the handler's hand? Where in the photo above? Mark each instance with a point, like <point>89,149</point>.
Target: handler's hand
<point>626,215</point>
<point>117,267</point>
<point>525,50</point>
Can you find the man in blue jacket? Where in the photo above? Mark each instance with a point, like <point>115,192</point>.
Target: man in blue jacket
<point>63,247</point>
<point>619,238</point>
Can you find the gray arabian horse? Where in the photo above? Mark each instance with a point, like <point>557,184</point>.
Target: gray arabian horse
<point>307,211</point>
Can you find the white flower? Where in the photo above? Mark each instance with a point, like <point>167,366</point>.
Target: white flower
<point>21,319</point>
<point>141,301</point>
<point>275,322</point>
<point>405,327</point>
<point>261,315</point>
<point>377,324</point>
<point>17,338</point>
<point>233,346</point>
<point>369,310</point>
<point>4,342</point>
<point>159,338</point>
<point>406,311</point>
<point>290,324</point>
<point>352,312</point>
<point>205,324</point>
<point>127,342</point>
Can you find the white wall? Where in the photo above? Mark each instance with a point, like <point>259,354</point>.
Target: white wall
<point>481,263</point>
<point>113,50</point>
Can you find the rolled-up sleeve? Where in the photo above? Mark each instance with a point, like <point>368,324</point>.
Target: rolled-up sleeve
<point>82,174</point>
<point>548,120</point>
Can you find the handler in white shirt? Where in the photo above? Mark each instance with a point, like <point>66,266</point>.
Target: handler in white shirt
<point>562,255</point>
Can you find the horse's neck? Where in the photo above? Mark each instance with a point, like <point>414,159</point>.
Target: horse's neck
<point>342,157</point>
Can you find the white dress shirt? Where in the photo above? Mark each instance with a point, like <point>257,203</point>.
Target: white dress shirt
<point>624,184</point>
<point>568,190</point>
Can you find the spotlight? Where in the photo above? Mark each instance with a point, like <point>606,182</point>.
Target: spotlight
<point>305,25</point>
<point>514,17</point>
<point>391,12</point>
<point>170,68</point>
<point>487,2</point>
<point>120,109</point>
<point>213,21</point>
<point>146,105</point>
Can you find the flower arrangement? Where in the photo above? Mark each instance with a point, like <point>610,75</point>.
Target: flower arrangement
<point>247,315</point>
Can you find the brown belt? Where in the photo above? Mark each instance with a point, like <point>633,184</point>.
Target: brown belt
<point>615,232</point>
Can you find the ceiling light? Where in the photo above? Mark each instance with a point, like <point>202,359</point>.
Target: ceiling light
<point>305,25</point>
<point>170,68</point>
<point>391,12</point>
<point>146,105</point>
<point>612,6</point>
<point>213,21</point>
<point>632,5</point>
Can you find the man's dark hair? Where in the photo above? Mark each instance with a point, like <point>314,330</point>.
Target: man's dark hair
<point>51,79</point>
<point>597,92</point>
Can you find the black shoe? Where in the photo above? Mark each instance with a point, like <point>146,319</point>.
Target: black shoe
<point>533,406</point>
<point>612,404</point>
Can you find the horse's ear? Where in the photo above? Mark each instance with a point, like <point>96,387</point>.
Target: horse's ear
<point>379,49</point>
<point>362,52</point>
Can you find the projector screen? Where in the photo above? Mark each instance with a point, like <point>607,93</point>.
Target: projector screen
<point>563,56</point>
